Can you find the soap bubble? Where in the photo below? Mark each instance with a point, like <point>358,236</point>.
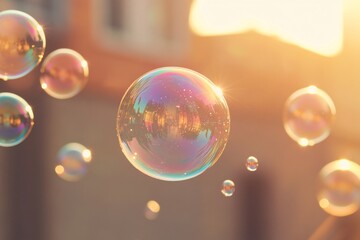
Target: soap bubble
<point>308,115</point>
<point>16,119</point>
<point>339,192</point>
<point>173,123</point>
<point>252,163</point>
<point>228,188</point>
<point>64,73</point>
<point>22,44</point>
<point>73,159</point>
<point>152,210</point>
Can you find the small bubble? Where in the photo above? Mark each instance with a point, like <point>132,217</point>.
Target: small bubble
<point>73,159</point>
<point>308,116</point>
<point>228,188</point>
<point>339,188</point>
<point>64,73</point>
<point>252,163</point>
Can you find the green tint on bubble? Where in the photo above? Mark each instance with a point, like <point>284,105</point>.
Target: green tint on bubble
<point>173,124</point>
<point>228,188</point>
<point>339,191</point>
<point>308,115</point>
<point>72,162</point>
<point>22,44</point>
<point>64,73</point>
<point>252,164</point>
<point>16,119</point>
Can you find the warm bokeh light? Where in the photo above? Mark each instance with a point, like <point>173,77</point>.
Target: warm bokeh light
<point>316,26</point>
<point>324,203</point>
<point>303,142</point>
<point>59,169</point>
<point>152,210</point>
<point>153,206</point>
<point>86,155</point>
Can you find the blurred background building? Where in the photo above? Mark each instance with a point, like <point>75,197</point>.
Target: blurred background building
<point>257,65</point>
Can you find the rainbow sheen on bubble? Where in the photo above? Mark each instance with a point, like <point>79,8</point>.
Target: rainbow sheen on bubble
<point>173,124</point>
<point>72,162</point>
<point>339,191</point>
<point>64,73</point>
<point>16,119</point>
<point>22,44</point>
<point>252,164</point>
<point>308,116</point>
<point>228,188</point>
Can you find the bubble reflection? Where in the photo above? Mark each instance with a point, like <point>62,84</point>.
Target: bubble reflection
<point>22,44</point>
<point>16,119</point>
<point>173,124</point>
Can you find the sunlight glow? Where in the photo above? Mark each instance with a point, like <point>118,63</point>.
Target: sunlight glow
<point>316,26</point>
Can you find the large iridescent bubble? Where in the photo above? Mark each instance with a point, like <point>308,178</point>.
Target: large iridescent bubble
<point>308,116</point>
<point>22,44</point>
<point>173,123</point>
<point>339,192</point>
<point>64,73</point>
<point>16,119</point>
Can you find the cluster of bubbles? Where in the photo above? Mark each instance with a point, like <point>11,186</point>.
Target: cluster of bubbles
<point>72,162</point>
<point>173,123</point>
<point>228,186</point>
<point>339,188</point>
<point>64,73</point>
<point>152,210</point>
<point>308,115</point>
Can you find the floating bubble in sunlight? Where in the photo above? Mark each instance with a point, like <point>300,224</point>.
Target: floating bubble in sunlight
<point>173,124</point>
<point>339,192</point>
<point>228,188</point>
<point>64,73</point>
<point>308,116</point>
<point>73,159</point>
<point>152,210</point>
<point>16,119</point>
<point>22,44</point>
<point>252,164</point>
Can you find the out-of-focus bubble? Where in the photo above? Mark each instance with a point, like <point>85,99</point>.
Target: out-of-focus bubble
<point>64,73</point>
<point>152,210</point>
<point>16,119</point>
<point>73,159</point>
<point>339,192</point>
<point>228,188</point>
<point>308,116</point>
<point>22,44</point>
<point>252,164</point>
<point>173,123</point>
